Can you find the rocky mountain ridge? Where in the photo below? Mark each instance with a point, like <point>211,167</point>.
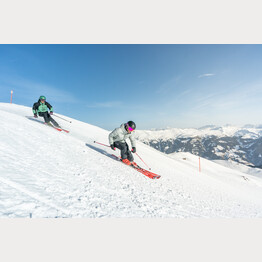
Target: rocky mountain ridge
<point>240,144</point>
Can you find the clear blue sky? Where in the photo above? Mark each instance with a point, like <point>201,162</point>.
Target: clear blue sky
<point>154,85</point>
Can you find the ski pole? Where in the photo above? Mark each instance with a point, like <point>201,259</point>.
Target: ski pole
<point>101,144</point>
<point>11,96</point>
<point>143,161</point>
<point>62,118</point>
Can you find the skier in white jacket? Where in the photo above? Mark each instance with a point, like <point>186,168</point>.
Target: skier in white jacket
<point>117,138</point>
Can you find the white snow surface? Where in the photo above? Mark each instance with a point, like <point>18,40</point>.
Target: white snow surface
<point>45,173</point>
<point>240,167</point>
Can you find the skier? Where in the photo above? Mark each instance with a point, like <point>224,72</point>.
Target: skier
<point>117,138</point>
<point>41,108</point>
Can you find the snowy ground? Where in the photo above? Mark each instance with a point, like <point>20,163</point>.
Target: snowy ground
<point>46,173</point>
<point>240,167</point>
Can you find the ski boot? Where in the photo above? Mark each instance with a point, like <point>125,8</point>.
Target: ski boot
<point>126,161</point>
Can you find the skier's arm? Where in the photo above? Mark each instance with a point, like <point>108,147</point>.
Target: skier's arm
<point>111,136</point>
<point>35,106</point>
<point>49,106</point>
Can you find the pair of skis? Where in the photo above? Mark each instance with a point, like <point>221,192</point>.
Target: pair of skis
<point>140,169</point>
<point>50,125</point>
<point>57,128</point>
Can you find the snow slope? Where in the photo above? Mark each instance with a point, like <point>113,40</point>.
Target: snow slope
<point>46,173</point>
<point>242,168</point>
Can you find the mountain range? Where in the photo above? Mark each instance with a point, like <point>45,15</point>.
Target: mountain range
<point>240,144</point>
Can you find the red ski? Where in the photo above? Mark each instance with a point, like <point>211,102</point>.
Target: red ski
<point>141,170</point>
<point>50,125</point>
<point>60,129</point>
<point>65,130</point>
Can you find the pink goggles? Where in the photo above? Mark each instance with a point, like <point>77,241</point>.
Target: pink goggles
<point>129,128</point>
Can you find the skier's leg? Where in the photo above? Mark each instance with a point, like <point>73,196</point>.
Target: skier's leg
<point>123,148</point>
<point>125,152</point>
<point>45,116</point>
<point>54,122</point>
<point>129,154</point>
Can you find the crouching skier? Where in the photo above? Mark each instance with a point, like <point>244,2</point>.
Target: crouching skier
<point>41,108</point>
<point>117,138</point>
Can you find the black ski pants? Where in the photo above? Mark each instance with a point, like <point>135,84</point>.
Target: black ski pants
<point>48,118</point>
<point>125,152</point>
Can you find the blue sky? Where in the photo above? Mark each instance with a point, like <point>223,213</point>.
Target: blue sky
<point>156,86</point>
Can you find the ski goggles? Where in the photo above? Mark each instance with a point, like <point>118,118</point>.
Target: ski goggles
<point>129,128</point>
<point>42,99</point>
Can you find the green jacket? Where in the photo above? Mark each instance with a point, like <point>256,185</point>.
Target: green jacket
<point>41,107</point>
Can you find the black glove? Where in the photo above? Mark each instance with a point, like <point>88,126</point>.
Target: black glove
<point>51,113</point>
<point>112,146</point>
<point>133,149</point>
<point>35,115</point>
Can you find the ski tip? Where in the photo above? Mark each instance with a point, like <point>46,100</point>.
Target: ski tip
<point>156,177</point>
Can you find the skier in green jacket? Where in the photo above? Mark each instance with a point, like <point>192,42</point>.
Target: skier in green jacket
<point>41,108</point>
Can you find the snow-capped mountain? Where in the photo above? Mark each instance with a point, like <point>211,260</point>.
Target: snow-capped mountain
<point>45,173</point>
<point>241,144</point>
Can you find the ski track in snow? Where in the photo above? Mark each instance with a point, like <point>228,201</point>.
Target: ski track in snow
<point>50,174</point>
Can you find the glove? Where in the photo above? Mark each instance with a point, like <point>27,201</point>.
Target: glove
<point>51,113</point>
<point>133,149</point>
<point>35,116</point>
<point>112,146</point>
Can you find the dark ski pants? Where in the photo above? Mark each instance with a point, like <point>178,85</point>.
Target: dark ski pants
<point>125,152</point>
<point>48,118</point>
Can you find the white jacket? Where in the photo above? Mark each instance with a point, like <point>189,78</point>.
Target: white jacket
<point>121,135</point>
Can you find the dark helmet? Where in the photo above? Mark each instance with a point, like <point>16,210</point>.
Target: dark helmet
<point>42,98</point>
<point>131,124</point>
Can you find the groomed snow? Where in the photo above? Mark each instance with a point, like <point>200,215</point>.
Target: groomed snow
<point>46,173</point>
